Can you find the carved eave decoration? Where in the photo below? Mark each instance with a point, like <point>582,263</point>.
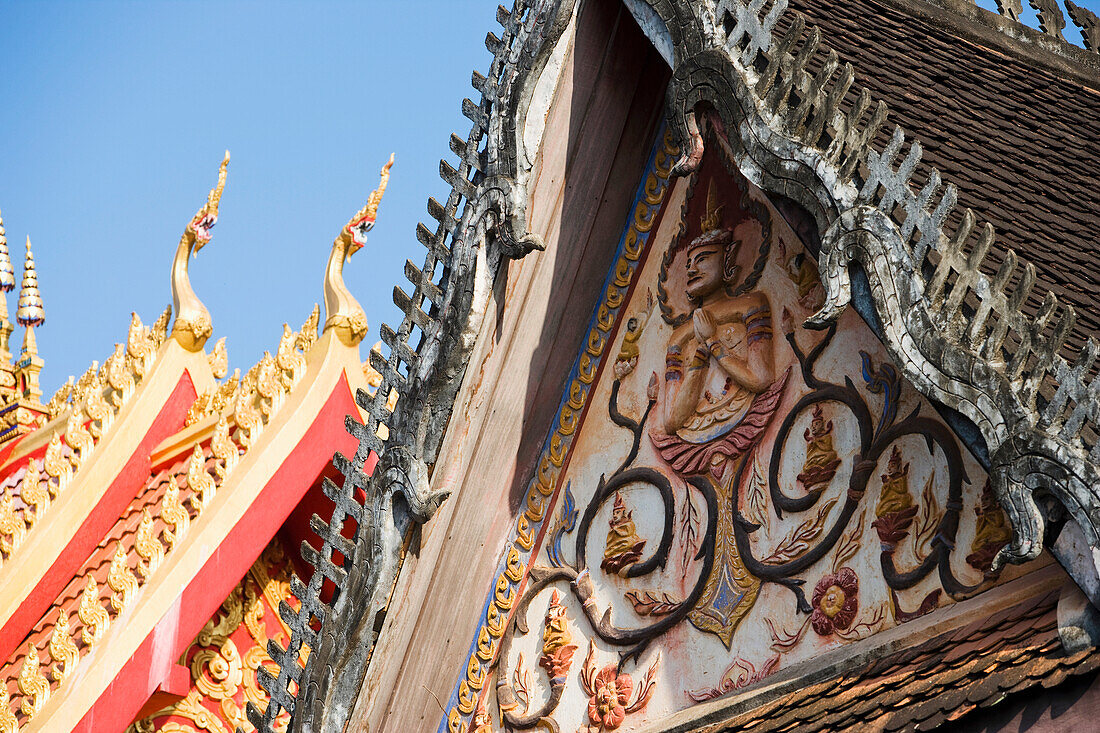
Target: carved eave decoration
<point>790,137</point>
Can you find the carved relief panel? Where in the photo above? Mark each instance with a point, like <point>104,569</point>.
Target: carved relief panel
<point>724,493</point>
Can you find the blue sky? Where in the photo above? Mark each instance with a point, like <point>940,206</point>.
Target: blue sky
<point>114,117</point>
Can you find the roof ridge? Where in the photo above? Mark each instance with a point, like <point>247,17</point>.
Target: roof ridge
<point>1005,32</point>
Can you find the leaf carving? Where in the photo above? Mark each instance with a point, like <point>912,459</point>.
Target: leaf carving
<point>648,603</point>
<point>804,534</point>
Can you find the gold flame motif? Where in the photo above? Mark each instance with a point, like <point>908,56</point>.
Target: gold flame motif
<point>713,218</point>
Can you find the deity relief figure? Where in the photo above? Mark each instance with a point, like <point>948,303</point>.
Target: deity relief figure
<point>624,547</point>
<point>821,459</point>
<point>895,510</point>
<point>721,391</point>
<point>557,642</point>
<point>803,273</point>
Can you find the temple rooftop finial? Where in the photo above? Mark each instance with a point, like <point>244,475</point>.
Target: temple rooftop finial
<point>342,310</point>
<point>31,313</point>
<point>193,326</point>
<point>7,284</point>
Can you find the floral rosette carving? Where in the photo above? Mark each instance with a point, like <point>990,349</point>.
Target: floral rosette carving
<point>835,602</point>
<point>610,693</point>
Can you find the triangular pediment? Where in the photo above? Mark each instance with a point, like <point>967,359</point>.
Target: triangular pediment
<point>724,495</point>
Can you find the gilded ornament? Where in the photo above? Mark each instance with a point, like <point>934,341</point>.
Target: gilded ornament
<point>121,580</point>
<point>173,513</point>
<point>159,331</point>
<point>199,409</point>
<point>34,686</point>
<point>34,491</point>
<point>7,272</point>
<point>224,396</point>
<point>119,377</point>
<point>63,651</point>
<point>246,415</point>
<point>57,464</point>
<point>30,312</point>
<point>140,347</point>
<point>219,669</point>
<point>148,545</point>
<point>92,614</point>
<point>80,391</point>
<point>78,439</point>
<point>269,386</point>
<point>11,524</point>
<point>199,480</point>
<point>307,336</point>
<point>98,409</point>
<point>193,327</point>
<point>289,360</point>
<point>60,399</point>
<point>8,722</point>
<point>223,448</point>
<point>219,359</point>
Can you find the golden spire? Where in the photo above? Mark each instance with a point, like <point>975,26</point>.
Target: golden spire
<point>30,313</point>
<point>342,310</point>
<point>7,284</point>
<point>7,272</point>
<point>713,218</point>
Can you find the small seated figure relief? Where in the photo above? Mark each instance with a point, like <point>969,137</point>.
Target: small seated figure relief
<point>821,459</point>
<point>624,546</point>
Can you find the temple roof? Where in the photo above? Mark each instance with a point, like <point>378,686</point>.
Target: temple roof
<point>941,680</point>
<point>1017,136</point>
<point>160,467</point>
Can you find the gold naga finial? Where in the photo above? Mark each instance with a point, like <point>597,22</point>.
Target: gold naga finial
<point>203,221</point>
<point>355,231</point>
<point>193,326</point>
<point>342,310</point>
<point>712,219</point>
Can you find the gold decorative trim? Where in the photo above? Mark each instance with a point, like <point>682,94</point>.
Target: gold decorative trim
<point>543,485</point>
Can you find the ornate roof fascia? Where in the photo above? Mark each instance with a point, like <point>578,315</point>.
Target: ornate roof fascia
<point>254,424</point>
<point>111,414</point>
<point>482,223</point>
<point>1000,369</point>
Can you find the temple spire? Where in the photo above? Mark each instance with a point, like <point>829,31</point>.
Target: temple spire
<point>7,284</point>
<point>31,315</point>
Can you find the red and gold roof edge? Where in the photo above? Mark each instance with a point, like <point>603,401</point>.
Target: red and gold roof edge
<point>224,423</point>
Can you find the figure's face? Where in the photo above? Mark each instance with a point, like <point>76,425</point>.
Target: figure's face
<point>704,270</point>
